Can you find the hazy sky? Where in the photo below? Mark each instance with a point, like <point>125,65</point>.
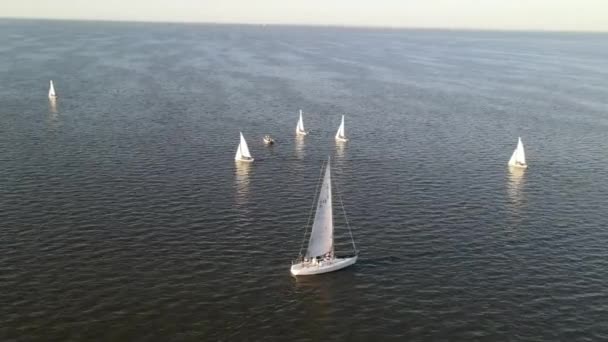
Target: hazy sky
<point>586,15</point>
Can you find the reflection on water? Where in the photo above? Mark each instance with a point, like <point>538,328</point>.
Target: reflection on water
<point>320,286</point>
<point>53,113</point>
<point>325,288</point>
<point>340,147</point>
<point>241,181</point>
<point>53,106</point>
<point>515,184</point>
<point>299,146</point>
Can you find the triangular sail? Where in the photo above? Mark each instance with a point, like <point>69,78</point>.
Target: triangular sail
<point>244,148</point>
<point>513,158</point>
<point>322,235</point>
<point>51,89</point>
<point>242,152</point>
<point>340,134</point>
<point>238,155</point>
<point>300,127</point>
<point>519,155</point>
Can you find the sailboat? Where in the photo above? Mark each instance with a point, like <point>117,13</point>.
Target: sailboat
<point>518,158</point>
<point>320,257</point>
<point>52,94</point>
<point>340,135</point>
<point>242,152</point>
<point>300,128</point>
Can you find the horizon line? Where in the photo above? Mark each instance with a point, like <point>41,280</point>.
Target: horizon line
<point>376,27</point>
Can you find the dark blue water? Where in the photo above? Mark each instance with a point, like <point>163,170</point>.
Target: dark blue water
<point>124,217</point>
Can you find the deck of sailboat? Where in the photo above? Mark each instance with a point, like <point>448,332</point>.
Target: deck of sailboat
<point>520,166</point>
<point>323,266</point>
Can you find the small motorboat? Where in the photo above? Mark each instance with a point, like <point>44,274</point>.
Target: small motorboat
<point>268,140</point>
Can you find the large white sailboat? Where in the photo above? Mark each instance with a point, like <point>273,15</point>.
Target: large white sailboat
<point>341,135</point>
<point>300,128</point>
<point>52,94</point>
<point>242,152</point>
<point>518,158</point>
<point>320,257</point>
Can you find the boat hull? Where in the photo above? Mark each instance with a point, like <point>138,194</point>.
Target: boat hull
<point>519,166</point>
<point>301,132</point>
<point>308,268</point>
<point>341,139</point>
<point>250,160</point>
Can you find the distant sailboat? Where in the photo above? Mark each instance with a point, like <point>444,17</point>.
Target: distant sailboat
<point>518,158</point>
<point>300,128</point>
<point>320,257</point>
<point>340,135</point>
<point>242,152</point>
<point>52,94</point>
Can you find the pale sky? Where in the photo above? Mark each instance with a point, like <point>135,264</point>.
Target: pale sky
<point>567,15</point>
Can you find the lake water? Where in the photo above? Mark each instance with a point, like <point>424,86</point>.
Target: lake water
<point>125,218</point>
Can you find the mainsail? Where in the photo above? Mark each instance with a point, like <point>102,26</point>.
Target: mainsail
<point>51,90</point>
<point>340,134</point>
<point>300,127</point>
<point>322,235</point>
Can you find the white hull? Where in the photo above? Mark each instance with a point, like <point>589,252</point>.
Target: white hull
<point>341,139</point>
<point>309,268</point>
<point>247,160</point>
<point>301,132</point>
<point>519,166</point>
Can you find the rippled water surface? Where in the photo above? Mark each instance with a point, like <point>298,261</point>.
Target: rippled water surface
<point>124,217</point>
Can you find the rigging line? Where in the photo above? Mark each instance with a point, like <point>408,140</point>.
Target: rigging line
<point>312,207</point>
<point>346,219</point>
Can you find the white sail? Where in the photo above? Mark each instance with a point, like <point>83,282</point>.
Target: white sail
<point>518,158</point>
<point>51,90</point>
<point>322,235</point>
<point>300,127</point>
<point>521,155</point>
<point>242,152</point>
<point>340,134</point>
<point>238,155</point>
